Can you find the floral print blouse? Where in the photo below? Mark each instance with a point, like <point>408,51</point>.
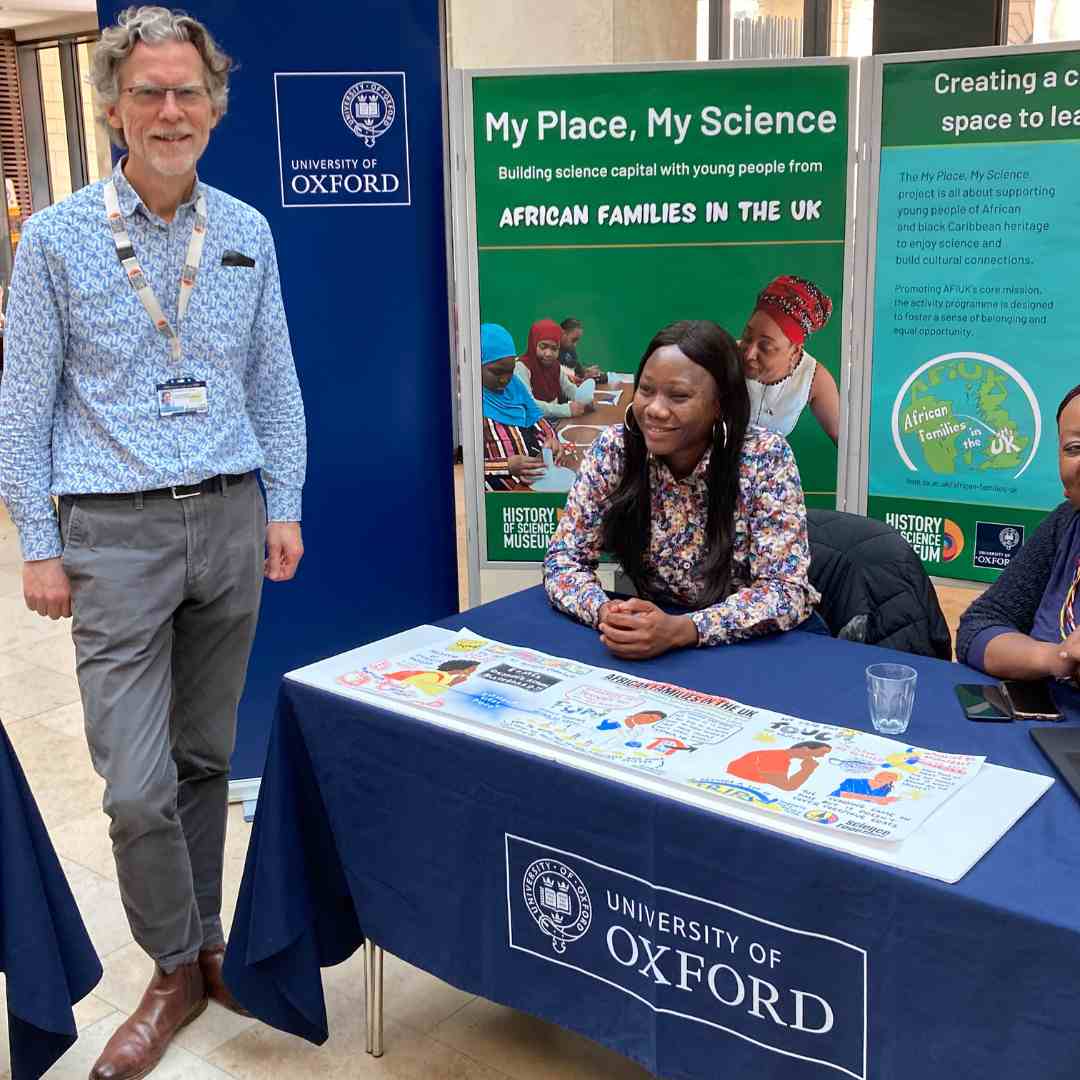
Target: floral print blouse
<point>771,558</point>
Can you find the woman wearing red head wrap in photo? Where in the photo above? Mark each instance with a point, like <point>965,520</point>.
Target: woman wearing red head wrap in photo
<point>781,376</point>
<point>539,369</point>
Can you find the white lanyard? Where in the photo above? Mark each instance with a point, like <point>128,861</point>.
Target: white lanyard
<point>136,276</point>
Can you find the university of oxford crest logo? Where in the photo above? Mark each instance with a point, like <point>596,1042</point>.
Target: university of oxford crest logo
<point>368,110</point>
<point>558,902</point>
<point>1009,538</point>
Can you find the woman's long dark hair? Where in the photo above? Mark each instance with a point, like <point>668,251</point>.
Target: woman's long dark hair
<point>628,512</point>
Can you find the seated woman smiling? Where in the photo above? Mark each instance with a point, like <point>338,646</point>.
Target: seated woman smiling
<point>704,512</point>
<point>1024,625</point>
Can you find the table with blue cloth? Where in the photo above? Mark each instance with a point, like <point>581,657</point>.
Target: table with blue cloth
<point>45,953</point>
<point>695,943</point>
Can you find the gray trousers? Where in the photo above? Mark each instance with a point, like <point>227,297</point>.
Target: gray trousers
<point>165,598</point>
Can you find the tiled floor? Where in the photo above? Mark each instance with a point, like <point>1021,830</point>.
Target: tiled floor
<point>433,1032</point>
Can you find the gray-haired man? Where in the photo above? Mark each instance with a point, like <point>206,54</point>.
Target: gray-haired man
<point>149,374</point>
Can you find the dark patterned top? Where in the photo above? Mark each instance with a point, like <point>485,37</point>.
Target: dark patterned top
<point>502,442</point>
<point>769,591</point>
<point>1027,596</point>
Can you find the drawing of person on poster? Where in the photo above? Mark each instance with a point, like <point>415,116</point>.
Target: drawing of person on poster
<point>782,378</point>
<point>773,766</point>
<point>875,789</point>
<point>434,682</point>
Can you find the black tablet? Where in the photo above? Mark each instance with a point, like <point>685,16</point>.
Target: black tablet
<point>1062,747</point>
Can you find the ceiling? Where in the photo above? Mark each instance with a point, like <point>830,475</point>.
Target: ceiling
<point>18,13</point>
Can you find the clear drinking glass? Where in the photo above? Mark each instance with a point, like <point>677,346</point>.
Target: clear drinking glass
<point>891,692</point>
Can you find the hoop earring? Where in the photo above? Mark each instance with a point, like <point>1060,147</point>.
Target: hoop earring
<point>723,431</point>
<point>630,423</point>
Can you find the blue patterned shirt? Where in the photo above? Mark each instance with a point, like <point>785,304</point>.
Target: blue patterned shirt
<point>79,407</point>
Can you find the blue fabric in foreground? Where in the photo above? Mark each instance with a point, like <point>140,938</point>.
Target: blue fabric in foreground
<point>373,822</point>
<point>45,953</point>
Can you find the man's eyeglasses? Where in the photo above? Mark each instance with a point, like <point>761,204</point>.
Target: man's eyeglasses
<point>148,96</point>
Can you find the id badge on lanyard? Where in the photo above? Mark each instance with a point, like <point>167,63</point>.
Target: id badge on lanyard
<point>182,397</point>
<point>184,394</point>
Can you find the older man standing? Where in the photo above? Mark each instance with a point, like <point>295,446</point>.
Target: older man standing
<point>149,375</point>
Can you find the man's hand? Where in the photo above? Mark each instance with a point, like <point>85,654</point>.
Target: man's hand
<point>46,588</point>
<point>284,550</point>
<point>636,629</point>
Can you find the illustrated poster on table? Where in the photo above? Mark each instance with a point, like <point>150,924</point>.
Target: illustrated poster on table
<point>829,775</point>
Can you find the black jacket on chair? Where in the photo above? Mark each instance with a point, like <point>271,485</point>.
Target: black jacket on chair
<point>873,586</point>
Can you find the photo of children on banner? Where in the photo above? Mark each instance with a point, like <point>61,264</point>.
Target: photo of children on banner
<point>782,378</point>
<point>515,430</point>
<point>703,510</point>
<point>544,376</point>
<point>571,332</point>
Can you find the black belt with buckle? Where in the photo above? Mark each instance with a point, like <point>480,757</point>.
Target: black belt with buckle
<point>178,491</point>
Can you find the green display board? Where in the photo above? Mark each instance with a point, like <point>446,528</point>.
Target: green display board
<point>631,199</point>
<point>974,328</point>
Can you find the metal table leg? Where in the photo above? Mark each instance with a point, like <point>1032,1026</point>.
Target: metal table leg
<point>373,997</point>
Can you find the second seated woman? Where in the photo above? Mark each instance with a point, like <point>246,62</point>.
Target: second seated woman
<point>544,377</point>
<point>704,512</point>
<point>1025,625</point>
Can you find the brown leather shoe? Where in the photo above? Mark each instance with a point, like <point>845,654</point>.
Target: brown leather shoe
<point>170,1002</point>
<point>210,962</point>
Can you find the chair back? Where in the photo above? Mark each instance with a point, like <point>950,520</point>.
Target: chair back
<point>873,586</point>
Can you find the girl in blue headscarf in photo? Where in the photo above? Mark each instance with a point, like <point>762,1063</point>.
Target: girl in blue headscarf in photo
<point>515,431</point>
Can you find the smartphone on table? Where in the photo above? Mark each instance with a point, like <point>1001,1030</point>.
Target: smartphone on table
<point>984,702</point>
<point>1030,700</point>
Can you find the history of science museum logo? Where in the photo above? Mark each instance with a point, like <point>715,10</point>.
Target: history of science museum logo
<point>934,539</point>
<point>968,416</point>
<point>343,138</point>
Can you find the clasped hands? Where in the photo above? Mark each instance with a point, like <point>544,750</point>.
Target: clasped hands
<point>637,629</point>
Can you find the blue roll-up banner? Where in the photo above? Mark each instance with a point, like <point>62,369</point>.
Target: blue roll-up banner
<point>334,132</point>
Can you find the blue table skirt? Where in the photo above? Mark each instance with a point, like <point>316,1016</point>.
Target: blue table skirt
<point>371,822</point>
<point>45,952</point>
